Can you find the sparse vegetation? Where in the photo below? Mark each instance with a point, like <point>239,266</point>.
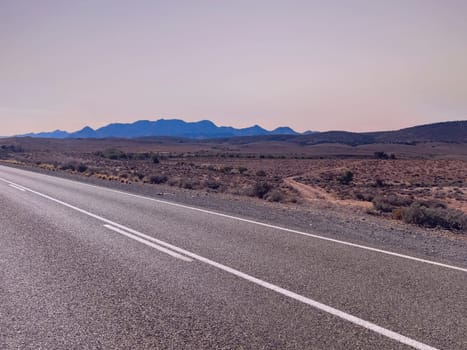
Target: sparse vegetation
<point>242,169</point>
<point>391,186</point>
<point>81,168</point>
<point>11,148</point>
<point>158,179</point>
<point>261,188</point>
<point>384,155</point>
<point>275,196</point>
<point>346,178</point>
<point>423,214</point>
<point>389,203</point>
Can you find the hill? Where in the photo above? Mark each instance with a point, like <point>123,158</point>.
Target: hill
<point>455,132</point>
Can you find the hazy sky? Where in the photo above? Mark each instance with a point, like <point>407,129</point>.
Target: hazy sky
<point>320,65</point>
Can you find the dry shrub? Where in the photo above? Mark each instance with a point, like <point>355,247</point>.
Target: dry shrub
<point>68,166</point>
<point>346,178</point>
<point>387,204</point>
<point>261,188</point>
<point>226,169</point>
<point>242,169</point>
<point>275,196</point>
<point>158,179</point>
<point>364,196</point>
<point>212,184</point>
<point>423,215</point>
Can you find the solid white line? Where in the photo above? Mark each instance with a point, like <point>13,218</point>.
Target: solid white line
<point>275,227</point>
<point>323,307</point>
<point>150,244</point>
<point>17,187</point>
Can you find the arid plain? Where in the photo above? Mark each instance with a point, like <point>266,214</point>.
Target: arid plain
<point>418,183</point>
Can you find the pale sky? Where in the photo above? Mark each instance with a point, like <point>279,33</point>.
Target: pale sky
<point>320,65</point>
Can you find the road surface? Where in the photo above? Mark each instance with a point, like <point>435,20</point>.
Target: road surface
<point>90,267</point>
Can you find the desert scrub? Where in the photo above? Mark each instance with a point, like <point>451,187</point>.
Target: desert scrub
<point>261,188</point>
<point>158,179</point>
<point>212,184</point>
<point>116,154</point>
<point>81,168</point>
<point>74,166</point>
<point>242,169</point>
<point>275,196</point>
<point>422,214</point>
<point>113,154</point>
<point>11,148</point>
<point>346,178</point>
<point>226,169</point>
<point>387,204</point>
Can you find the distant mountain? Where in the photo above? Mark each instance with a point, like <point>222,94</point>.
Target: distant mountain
<point>174,128</point>
<point>84,133</point>
<point>57,134</point>
<point>283,130</point>
<point>452,132</point>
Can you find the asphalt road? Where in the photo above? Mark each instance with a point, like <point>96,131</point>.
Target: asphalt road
<point>84,267</point>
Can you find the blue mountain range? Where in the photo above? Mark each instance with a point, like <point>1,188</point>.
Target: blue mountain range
<point>204,129</point>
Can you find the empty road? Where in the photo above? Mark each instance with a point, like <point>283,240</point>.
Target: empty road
<point>87,267</point>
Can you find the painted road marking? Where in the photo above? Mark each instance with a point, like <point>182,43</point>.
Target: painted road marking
<point>17,187</point>
<point>150,244</point>
<point>275,227</point>
<point>313,303</point>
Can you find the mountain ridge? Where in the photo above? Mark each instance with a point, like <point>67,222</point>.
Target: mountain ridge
<point>203,129</point>
<point>448,132</point>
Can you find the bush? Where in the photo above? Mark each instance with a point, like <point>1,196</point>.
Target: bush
<point>391,202</point>
<point>158,179</point>
<point>364,196</point>
<point>68,166</point>
<point>155,159</point>
<point>261,188</point>
<point>113,154</point>
<point>212,184</point>
<point>275,196</point>
<point>82,168</point>
<point>346,178</point>
<point>187,185</point>
<point>381,155</point>
<point>226,169</point>
<point>12,148</point>
<point>242,169</point>
<point>420,214</point>
<point>379,182</point>
<point>261,173</point>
